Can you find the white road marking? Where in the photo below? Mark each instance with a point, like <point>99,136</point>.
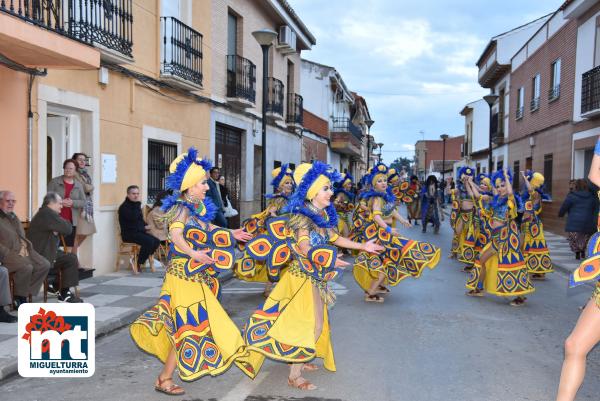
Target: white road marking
<point>244,388</point>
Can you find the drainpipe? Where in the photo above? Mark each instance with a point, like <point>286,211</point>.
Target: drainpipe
<point>30,151</point>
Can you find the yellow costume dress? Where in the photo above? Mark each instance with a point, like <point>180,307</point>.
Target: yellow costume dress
<point>246,268</point>
<point>283,328</point>
<point>402,257</point>
<point>506,272</point>
<point>463,242</point>
<point>188,316</point>
<point>535,250</point>
<point>344,206</point>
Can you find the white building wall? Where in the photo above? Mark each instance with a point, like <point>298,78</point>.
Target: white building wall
<point>481,125</point>
<point>315,89</point>
<point>584,59</point>
<point>511,43</point>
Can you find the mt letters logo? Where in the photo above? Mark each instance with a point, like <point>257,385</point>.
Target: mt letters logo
<point>56,340</point>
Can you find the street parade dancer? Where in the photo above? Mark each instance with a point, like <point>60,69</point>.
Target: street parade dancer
<point>402,258</point>
<point>413,208</point>
<point>246,268</point>
<point>188,329</point>
<point>586,333</point>
<point>501,270</point>
<point>482,188</point>
<point>461,220</point>
<point>293,323</point>
<point>431,199</point>
<point>343,200</point>
<point>535,251</point>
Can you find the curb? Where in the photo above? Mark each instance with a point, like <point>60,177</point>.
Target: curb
<point>105,329</point>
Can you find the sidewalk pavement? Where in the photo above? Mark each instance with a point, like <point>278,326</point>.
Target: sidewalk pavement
<point>119,298</point>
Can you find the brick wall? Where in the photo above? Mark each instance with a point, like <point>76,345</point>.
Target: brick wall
<point>550,113</point>
<point>555,141</point>
<point>435,149</point>
<point>316,124</point>
<point>313,150</point>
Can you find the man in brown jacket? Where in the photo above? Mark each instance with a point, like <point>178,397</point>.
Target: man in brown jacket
<point>43,232</point>
<point>17,253</point>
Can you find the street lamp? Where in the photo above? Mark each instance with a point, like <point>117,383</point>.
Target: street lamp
<point>444,137</point>
<point>265,38</point>
<point>369,123</point>
<point>490,100</point>
<point>380,146</point>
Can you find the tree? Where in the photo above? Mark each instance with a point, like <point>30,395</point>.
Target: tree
<point>400,163</point>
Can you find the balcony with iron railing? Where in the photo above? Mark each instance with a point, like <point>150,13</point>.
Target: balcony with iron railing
<point>534,104</point>
<point>181,54</point>
<point>241,81</point>
<point>554,93</point>
<point>105,24</point>
<point>295,111</point>
<point>590,93</point>
<point>275,98</point>
<point>346,137</point>
<point>519,112</point>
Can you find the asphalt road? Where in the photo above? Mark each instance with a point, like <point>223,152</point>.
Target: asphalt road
<point>428,341</point>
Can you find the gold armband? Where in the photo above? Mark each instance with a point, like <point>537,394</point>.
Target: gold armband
<point>334,237</point>
<point>303,238</point>
<point>377,212</point>
<point>176,224</point>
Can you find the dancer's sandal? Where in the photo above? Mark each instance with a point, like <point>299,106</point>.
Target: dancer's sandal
<point>383,290</point>
<point>373,298</point>
<point>310,367</point>
<point>475,293</point>
<point>518,301</point>
<point>172,389</point>
<point>301,384</point>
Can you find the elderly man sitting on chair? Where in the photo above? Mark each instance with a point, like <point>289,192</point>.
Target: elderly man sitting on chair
<point>43,233</point>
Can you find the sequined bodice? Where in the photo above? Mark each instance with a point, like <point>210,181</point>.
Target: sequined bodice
<point>388,209</point>
<point>317,239</point>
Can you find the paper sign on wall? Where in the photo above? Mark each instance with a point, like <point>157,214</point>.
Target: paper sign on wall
<point>109,168</point>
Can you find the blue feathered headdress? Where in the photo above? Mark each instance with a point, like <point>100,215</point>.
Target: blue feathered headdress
<point>297,202</point>
<point>499,175</point>
<point>379,168</point>
<point>282,173</point>
<point>179,167</point>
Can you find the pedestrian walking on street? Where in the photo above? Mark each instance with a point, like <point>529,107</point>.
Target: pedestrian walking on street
<point>581,208</point>
<point>535,251</point>
<point>293,324</point>
<point>403,257</point>
<point>501,268</point>
<point>586,333</point>
<point>431,200</point>
<point>189,329</point>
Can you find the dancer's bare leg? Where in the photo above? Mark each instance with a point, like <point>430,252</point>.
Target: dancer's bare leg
<point>582,339</point>
<point>165,378</point>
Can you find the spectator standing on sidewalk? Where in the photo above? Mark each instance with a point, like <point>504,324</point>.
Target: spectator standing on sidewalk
<point>85,224</point>
<point>581,208</point>
<point>214,193</point>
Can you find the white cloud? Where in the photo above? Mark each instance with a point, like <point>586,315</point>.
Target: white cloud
<point>407,146</point>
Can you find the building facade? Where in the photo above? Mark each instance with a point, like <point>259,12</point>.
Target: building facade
<point>475,149</point>
<point>237,88</point>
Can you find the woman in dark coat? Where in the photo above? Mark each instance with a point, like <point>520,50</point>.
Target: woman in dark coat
<point>581,207</point>
<point>431,199</point>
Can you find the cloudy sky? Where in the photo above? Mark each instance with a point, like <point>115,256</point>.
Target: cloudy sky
<point>413,61</point>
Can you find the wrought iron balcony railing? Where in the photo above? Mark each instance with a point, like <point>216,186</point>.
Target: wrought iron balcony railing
<point>295,109</point>
<point>534,104</point>
<point>344,124</point>
<point>275,96</point>
<point>554,93</point>
<point>107,23</point>
<point>590,90</point>
<point>241,78</point>
<point>519,112</point>
<point>181,50</point>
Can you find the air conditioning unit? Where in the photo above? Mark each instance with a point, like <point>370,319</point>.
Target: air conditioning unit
<point>287,40</point>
